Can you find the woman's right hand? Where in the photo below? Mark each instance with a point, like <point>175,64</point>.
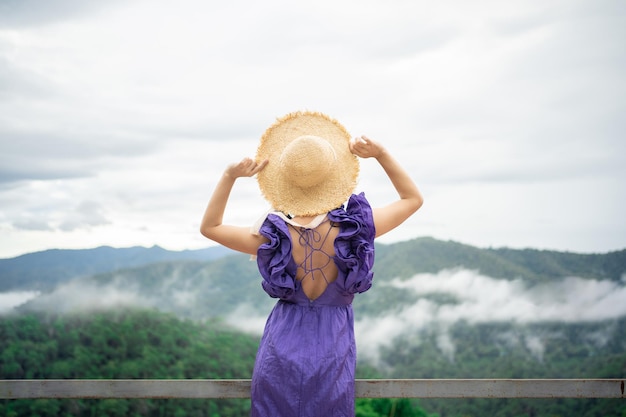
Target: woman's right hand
<point>234,237</point>
<point>247,167</point>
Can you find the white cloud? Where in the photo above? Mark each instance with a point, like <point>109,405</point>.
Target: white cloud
<point>247,319</point>
<point>11,300</point>
<point>504,113</point>
<point>77,297</point>
<point>482,299</point>
<point>474,299</point>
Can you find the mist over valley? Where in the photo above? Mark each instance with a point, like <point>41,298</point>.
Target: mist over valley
<point>423,290</point>
<point>437,309</point>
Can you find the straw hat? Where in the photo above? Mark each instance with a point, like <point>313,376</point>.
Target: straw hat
<point>311,169</point>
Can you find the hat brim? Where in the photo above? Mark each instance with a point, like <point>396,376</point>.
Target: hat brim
<point>318,199</point>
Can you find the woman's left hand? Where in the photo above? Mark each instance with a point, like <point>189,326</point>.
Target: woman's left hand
<point>365,147</point>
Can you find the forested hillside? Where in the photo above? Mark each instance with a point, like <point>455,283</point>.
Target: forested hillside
<point>149,344</point>
<point>143,344</point>
<point>502,350</point>
<point>436,310</point>
<point>131,345</point>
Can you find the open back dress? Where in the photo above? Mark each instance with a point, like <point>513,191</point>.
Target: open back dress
<point>305,365</point>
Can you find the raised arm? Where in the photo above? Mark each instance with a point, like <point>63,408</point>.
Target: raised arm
<point>234,237</point>
<point>391,216</point>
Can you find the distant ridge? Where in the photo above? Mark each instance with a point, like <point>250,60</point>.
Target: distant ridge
<point>411,283</point>
<point>431,255</point>
<point>44,270</point>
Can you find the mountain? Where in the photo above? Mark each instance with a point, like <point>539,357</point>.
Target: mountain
<point>431,255</point>
<point>426,272</point>
<point>437,309</point>
<point>44,270</point>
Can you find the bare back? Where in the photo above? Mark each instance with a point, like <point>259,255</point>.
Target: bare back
<point>313,251</point>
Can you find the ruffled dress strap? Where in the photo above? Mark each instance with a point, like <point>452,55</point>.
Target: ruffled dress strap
<point>274,259</point>
<point>354,245</point>
<point>354,250</point>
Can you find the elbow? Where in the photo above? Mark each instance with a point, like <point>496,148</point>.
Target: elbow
<point>417,205</point>
<point>420,203</point>
<point>206,232</point>
<point>417,202</point>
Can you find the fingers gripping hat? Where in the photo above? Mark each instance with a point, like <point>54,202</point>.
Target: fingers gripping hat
<point>311,169</point>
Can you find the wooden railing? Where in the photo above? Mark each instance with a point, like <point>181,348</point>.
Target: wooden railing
<point>365,388</point>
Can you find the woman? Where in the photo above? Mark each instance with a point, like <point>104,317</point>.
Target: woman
<point>314,250</point>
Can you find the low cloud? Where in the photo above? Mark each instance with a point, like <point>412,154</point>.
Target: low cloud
<point>485,299</point>
<point>481,299</point>
<point>247,319</point>
<point>10,300</point>
<point>86,297</point>
<point>441,301</point>
<point>173,292</point>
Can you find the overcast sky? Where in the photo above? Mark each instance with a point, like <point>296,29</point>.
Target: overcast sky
<point>118,117</point>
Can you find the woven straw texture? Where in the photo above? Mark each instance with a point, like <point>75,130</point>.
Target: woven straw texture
<point>281,188</point>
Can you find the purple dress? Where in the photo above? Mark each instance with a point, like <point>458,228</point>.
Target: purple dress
<point>306,360</point>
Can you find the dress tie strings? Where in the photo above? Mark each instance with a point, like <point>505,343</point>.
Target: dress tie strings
<point>312,241</point>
